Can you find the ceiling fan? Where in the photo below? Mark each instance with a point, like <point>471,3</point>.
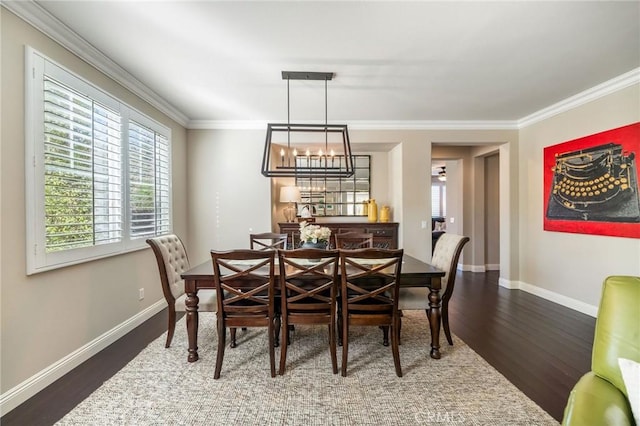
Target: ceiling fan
<point>442,174</point>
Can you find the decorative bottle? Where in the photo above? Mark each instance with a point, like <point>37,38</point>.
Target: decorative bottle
<point>373,211</point>
<point>384,214</point>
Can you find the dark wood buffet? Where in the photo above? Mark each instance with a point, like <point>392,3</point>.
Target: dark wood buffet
<point>385,234</point>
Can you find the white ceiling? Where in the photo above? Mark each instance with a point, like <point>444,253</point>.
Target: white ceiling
<point>394,61</point>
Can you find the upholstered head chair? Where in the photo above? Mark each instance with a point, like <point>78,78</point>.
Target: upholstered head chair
<point>445,257</point>
<point>172,260</point>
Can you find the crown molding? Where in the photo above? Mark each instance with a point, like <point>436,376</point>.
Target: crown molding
<point>42,20</point>
<point>363,125</point>
<point>608,87</point>
<point>227,124</point>
<point>434,125</point>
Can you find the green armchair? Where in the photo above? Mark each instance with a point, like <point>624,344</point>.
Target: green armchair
<point>600,396</point>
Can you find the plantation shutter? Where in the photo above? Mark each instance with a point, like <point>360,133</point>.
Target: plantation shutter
<point>82,171</point>
<point>149,185</point>
<point>438,200</point>
<point>163,185</point>
<point>435,200</point>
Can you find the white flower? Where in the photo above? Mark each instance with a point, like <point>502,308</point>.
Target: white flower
<point>314,233</point>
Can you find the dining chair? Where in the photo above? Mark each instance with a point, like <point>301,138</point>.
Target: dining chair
<point>268,241</point>
<point>245,284</point>
<point>171,257</point>
<point>308,293</point>
<point>353,240</point>
<point>445,257</point>
<point>370,280</point>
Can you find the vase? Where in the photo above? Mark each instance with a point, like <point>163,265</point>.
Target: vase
<point>319,245</point>
<point>385,213</point>
<point>373,211</point>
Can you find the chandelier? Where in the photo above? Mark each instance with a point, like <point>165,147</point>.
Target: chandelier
<point>307,150</point>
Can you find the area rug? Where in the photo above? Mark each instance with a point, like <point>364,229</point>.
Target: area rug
<point>159,386</point>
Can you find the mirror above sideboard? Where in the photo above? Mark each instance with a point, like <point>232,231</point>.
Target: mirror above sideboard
<point>335,196</point>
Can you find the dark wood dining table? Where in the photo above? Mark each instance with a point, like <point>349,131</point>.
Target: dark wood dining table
<point>414,273</point>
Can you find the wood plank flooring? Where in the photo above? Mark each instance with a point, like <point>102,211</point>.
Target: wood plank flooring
<point>541,347</point>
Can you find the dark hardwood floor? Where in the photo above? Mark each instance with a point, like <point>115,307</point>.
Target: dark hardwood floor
<point>541,347</point>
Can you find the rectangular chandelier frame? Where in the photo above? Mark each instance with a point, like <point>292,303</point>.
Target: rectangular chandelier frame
<point>286,164</point>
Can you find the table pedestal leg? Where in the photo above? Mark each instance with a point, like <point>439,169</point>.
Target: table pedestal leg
<point>434,321</point>
<point>192,325</point>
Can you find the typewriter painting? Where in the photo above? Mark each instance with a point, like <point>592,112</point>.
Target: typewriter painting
<point>591,184</point>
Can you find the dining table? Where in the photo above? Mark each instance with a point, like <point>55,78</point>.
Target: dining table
<point>414,273</point>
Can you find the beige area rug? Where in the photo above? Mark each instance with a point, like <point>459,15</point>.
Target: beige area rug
<point>159,386</point>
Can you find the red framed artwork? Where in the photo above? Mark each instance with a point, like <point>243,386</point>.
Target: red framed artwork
<point>591,184</point>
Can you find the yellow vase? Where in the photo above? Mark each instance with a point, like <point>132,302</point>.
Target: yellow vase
<point>384,214</point>
<point>373,211</point>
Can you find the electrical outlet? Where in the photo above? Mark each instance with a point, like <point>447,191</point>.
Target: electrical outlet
<point>141,295</point>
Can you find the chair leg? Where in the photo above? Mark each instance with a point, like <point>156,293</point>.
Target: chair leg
<point>171,328</point>
<point>233,337</point>
<point>339,330</point>
<point>276,337</point>
<point>283,347</point>
<point>332,347</point>
<point>395,338</point>
<point>272,350</point>
<point>222,334</point>
<point>345,347</point>
<point>385,335</point>
<point>445,321</point>
<point>400,329</point>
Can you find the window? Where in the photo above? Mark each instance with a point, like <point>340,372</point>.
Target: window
<point>438,199</point>
<point>148,182</point>
<point>98,172</point>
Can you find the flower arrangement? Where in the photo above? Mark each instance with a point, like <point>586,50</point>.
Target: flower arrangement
<point>314,233</point>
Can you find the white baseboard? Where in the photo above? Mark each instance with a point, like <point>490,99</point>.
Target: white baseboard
<point>25,390</point>
<point>511,285</point>
<point>560,299</point>
<point>471,268</point>
<point>479,268</point>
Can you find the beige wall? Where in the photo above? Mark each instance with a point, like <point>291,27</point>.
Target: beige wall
<point>571,265</point>
<point>47,316</point>
<point>492,211</point>
<point>229,197</point>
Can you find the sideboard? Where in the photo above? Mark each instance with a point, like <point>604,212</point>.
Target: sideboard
<point>385,234</point>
